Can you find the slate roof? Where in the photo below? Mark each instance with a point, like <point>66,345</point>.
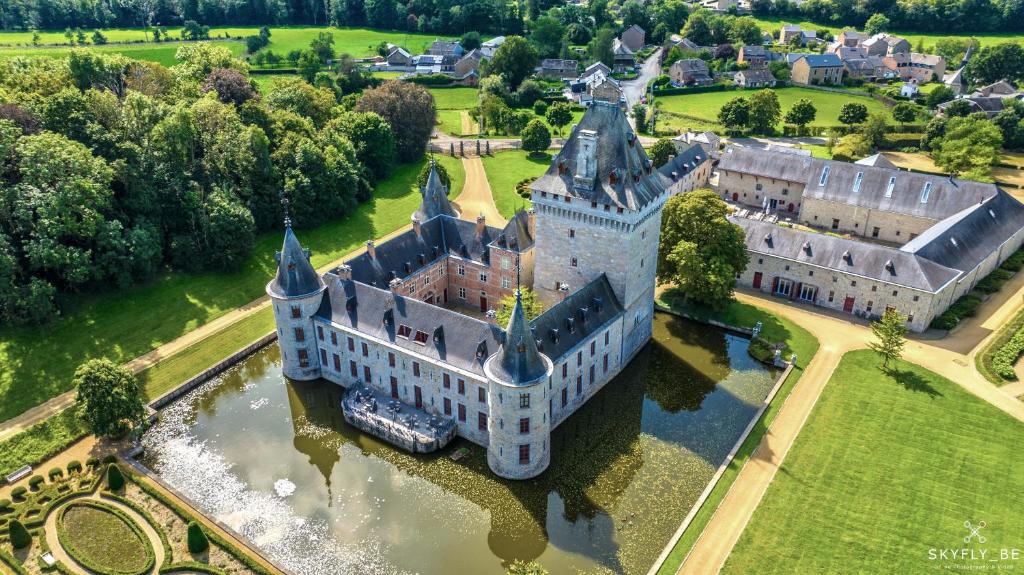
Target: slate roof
<point>620,48</point>
<point>965,239</point>
<point>877,160</point>
<point>753,50</point>
<point>930,60</point>
<point>434,200</point>
<point>595,68</point>
<point>756,75</point>
<point>518,360</point>
<point>618,149</point>
<point>454,338</point>
<point>864,259</point>
<point>822,60</point>
<point>558,64</point>
<point>691,66</point>
<point>564,325</point>
<point>780,166</point>
<point>295,275</point>
<point>516,235</point>
<point>684,162</point>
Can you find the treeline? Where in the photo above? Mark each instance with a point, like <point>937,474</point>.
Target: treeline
<point>115,169</point>
<point>947,16</point>
<point>441,16</point>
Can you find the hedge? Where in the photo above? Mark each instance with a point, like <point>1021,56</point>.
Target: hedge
<point>695,90</point>
<point>962,308</point>
<point>197,541</point>
<point>18,493</point>
<point>19,535</point>
<point>435,80</point>
<point>191,566</point>
<point>13,563</point>
<point>1015,262</point>
<point>115,479</point>
<point>65,542</point>
<point>994,281</point>
<point>1007,355</point>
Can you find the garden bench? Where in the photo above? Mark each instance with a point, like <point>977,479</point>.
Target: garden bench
<point>19,474</point>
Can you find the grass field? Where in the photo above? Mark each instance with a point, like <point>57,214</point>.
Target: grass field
<point>505,170</point>
<point>162,53</point>
<point>775,329</point>
<point>887,468</point>
<point>1002,175</point>
<point>41,441</point>
<point>705,106</point>
<point>39,362</point>
<point>102,540</point>
<point>773,24</point>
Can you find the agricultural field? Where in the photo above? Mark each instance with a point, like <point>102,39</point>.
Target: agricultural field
<point>773,24</point>
<point>889,465</point>
<point>703,107</point>
<point>162,53</point>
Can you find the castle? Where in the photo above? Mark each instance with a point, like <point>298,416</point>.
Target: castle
<point>406,321</point>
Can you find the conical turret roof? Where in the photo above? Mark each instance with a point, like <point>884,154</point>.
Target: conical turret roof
<point>518,360</point>
<point>295,275</point>
<point>435,198</point>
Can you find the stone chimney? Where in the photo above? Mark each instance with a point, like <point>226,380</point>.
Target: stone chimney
<point>531,222</point>
<point>344,272</point>
<point>481,223</point>
<point>370,249</point>
<point>586,159</point>
<point>416,227</point>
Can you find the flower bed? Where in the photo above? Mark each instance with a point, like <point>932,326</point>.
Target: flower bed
<point>103,539</point>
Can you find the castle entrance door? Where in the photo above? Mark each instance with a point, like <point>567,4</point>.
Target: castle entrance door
<point>848,305</point>
<point>483,302</point>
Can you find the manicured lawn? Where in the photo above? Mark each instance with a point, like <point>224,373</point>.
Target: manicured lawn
<point>41,441</point>
<point>775,329</point>
<point>99,538</point>
<point>705,106</point>
<point>454,98</point>
<point>773,24</point>
<point>39,362</point>
<point>505,170</point>
<point>886,469</point>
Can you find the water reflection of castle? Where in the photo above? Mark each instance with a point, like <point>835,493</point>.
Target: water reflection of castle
<point>595,454</point>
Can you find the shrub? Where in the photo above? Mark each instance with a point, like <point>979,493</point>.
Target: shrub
<point>5,505</point>
<point>74,466</point>
<point>110,458</point>
<point>115,480</point>
<point>93,462</point>
<point>964,307</point>
<point>197,541</point>
<point>18,493</point>
<point>35,481</point>
<point>540,107</point>
<point>20,537</point>
<point>55,473</point>
<point>1007,355</point>
<point>994,281</point>
<point>1015,262</point>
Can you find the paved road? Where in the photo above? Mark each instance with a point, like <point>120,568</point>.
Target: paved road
<point>635,89</point>
<point>838,335</point>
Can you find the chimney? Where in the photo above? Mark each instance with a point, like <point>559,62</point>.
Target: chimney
<point>586,159</point>
<point>481,223</point>
<point>344,272</point>
<point>416,227</point>
<point>370,249</point>
<point>531,222</point>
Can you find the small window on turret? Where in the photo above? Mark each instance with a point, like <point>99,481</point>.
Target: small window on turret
<point>296,311</point>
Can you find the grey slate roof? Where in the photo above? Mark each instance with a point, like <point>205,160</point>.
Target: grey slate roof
<point>822,60</point>
<point>877,160</point>
<point>965,239</point>
<point>564,325</point>
<point>518,360</point>
<point>788,167</point>
<point>684,162</point>
<point>295,275</point>
<point>618,149</point>
<point>516,235</point>
<point>434,198</point>
<point>864,259</point>
<point>457,339</point>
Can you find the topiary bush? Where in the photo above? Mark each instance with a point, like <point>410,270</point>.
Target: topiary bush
<point>18,493</point>
<point>994,281</point>
<point>115,479</point>
<point>197,540</point>
<point>113,458</point>
<point>92,462</point>
<point>540,107</point>
<point>55,473</point>
<point>35,481</point>
<point>5,505</point>
<point>74,466</point>
<point>20,537</point>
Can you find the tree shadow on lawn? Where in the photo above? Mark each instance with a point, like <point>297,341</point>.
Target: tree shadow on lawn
<point>912,381</point>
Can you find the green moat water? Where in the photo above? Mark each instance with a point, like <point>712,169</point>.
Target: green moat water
<point>275,460</point>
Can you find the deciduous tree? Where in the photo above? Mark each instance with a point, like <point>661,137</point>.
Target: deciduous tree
<point>661,151</point>
<point>969,147</point>
<point>408,109</point>
<point>559,115</point>
<point>802,113</point>
<point>531,305</point>
<point>853,113</point>
<point>110,397</point>
<point>535,137</point>
<point>514,60</point>
<point>765,111</point>
<point>890,336</point>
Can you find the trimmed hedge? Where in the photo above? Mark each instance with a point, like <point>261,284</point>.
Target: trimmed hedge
<point>435,80</point>
<point>12,563</point>
<point>695,90</point>
<point>85,561</point>
<point>1007,355</point>
<point>192,566</point>
<point>74,466</point>
<point>962,308</point>
<point>197,540</point>
<point>1003,346</point>
<point>19,535</point>
<point>55,473</point>
<point>115,479</point>
<point>994,281</point>
<point>18,493</point>
<point>5,505</point>
<point>1014,263</point>
<point>35,481</point>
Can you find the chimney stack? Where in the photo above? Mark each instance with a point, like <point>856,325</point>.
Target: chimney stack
<point>481,223</point>
<point>370,249</point>
<point>531,222</point>
<point>344,272</point>
<point>416,227</point>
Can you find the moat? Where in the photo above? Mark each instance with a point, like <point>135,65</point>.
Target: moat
<point>275,460</point>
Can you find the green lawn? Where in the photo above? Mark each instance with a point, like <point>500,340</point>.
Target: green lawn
<point>454,98</point>
<point>162,53</point>
<point>103,540</point>
<point>773,24</point>
<point>41,441</point>
<point>886,469</point>
<point>39,362</point>
<point>775,329</point>
<point>505,170</point>
<point>705,106</point>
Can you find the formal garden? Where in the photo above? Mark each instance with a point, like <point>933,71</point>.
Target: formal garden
<point>893,462</point>
<point>103,519</point>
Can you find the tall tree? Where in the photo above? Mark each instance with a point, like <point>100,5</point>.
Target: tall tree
<point>876,23</point>
<point>408,109</point>
<point>559,115</point>
<point>110,397</point>
<point>535,137</point>
<point>661,151</point>
<point>373,138</point>
<point>765,111</point>
<point>969,147</point>
<point>890,336</point>
<point>802,113</point>
<point>514,60</point>
<point>1000,62</point>
<point>531,305</point>
<point>853,113</point>
<point>600,47</point>
<point>700,250</point>
<point>735,114</point>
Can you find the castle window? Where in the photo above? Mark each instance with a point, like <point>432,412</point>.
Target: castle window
<point>462,293</point>
<point>296,311</point>
<point>352,369</point>
<point>506,263</point>
<point>481,421</point>
<point>462,386</point>
<point>412,288</point>
<point>835,224</point>
<point>572,233</point>
<point>416,368</point>
<point>320,332</point>
<point>868,309</point>
<point>810,273</point>
<point>874,288</point>
<point>593,348</point>
<point>323,356</point>
<point>403,331</point>
<point>831,296</point>
<point>592,378</point>
<point>604,364</point>
<point>462,270</point>
<point>483,277</point>
<point>916,298</point>
<point>366,349</point>
<point>334,338</point>
<point>462,412</point>
<point>300,335</point>
<point>853,283</point>
<point>337,362</point>
<point>524,425</point>
<point>426,279</point>
<point>447,406</point>
<point>565,396</point>
<point>303,358</point>
<point>641,263</point>
<point>447,381</point>
<point>506,283</point>
<point>579,357</point>
<point>606,338</point>
<point>572,262</point>
<point>421,337</point>
<point>579,385</point>
<point>481,395</point>
<point>366,374</point>
<point>524,454</point>
<point>391,359</point>
<point>910,318</point>
<point>524,400</point>
<point>758,187</point>
<point>565,370</point>
<point>760,261</point>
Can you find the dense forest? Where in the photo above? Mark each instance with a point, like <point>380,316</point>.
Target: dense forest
<point>113,169</point>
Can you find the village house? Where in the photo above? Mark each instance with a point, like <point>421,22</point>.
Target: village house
<point>883,44</point>
<point>446,48</point>
<point>690,72</point>
<point>923,68</point>
<point>398,56</point>
<point>677,41</point>
<point>790,31</point>
<point>817,70</point>
<point>491,46</point>
<point>634,38</point>
<point>752,55</point>
<point>468,65</point>
<point>708,141</point>
<point>560,69</point>
<point>755,78</point>
<point>624,59</point>
<point>851,38</point>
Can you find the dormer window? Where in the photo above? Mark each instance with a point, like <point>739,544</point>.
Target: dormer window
<point>925,192</point>
<point>889,188</point>
<point>857,181</point>
<point>404,331</point>
<point>613,178</point>
<point>992,214</point>
<point>421,337</point>
<point>824,176</point>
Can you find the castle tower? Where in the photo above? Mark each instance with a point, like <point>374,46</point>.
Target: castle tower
<point>435,198</point>
<point>599,211</point>
<point>518,428</point>
<point>296,293</point>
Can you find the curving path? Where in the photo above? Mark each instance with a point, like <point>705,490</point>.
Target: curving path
<point>476,197</point>
<point>50,529</point>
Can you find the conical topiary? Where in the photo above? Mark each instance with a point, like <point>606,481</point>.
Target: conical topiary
<point>197,541</point>
<point>20,537</point>
<point>115,480</point>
